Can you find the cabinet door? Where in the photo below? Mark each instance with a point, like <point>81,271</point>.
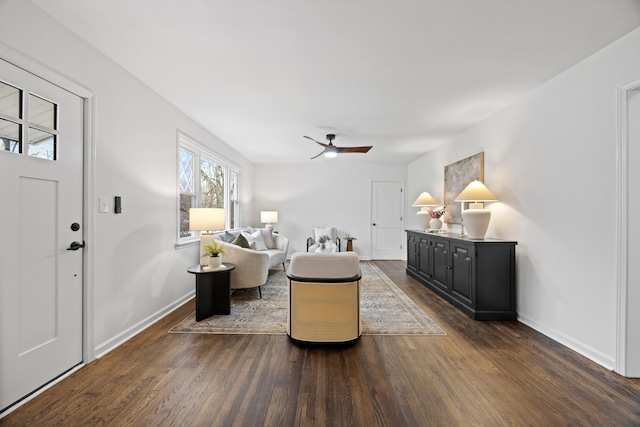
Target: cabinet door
<point>425,260</point>
<point>412,254</point>
<point>462,278</point>
<point>440,250</point>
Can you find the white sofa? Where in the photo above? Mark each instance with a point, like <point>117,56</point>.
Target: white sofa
<point>252,266</point>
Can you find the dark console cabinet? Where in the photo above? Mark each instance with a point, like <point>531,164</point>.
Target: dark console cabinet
<point>477,276</point>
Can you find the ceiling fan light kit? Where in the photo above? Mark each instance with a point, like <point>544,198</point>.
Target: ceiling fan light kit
<point>331,150</point>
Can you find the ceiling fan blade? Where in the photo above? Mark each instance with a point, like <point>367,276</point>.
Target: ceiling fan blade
<point>317,142</point>
<point>363,149</point>
<point>321,153</point>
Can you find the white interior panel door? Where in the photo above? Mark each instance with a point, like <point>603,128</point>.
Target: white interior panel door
<point>41,160</point>
<point>386,214</point>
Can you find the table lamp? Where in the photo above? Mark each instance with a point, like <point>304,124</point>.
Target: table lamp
<point>476,218</point>
<point>268,218</point>
<point>206,219</point>
<point>423,201</point>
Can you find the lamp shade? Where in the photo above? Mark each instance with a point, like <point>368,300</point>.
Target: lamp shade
<point>269,216</point>
<point>476,191</point>
<point>425,199</point>
<point>206,219</point>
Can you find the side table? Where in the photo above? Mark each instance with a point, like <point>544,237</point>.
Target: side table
<point>350,243</point>
<point>213,289</point>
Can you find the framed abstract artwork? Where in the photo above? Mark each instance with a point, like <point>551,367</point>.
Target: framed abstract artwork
<point>456,177</point>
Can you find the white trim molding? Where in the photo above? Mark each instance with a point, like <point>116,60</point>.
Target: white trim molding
<point>622,227</point>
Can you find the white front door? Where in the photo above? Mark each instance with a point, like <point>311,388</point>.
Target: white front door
<point>41,190</point>
<point>386,213</point>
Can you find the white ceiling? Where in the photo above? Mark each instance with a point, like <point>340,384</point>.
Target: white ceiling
<point>404,76</point>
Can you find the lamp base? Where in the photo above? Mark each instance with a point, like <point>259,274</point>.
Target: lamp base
<point>476,222</point>
<point>423,220</point>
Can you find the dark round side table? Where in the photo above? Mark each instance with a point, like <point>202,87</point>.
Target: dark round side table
<point>213,289</point>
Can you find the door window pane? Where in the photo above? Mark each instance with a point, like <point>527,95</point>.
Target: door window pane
<point>9,136</point>
<point>42,112</point>
<point>9,100</point>
<point>42,144</point>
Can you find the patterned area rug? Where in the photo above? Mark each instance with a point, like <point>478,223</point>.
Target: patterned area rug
<point>384,308</point>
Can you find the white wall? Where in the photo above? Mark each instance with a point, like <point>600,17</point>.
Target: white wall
<point>138,272</point>
<point>550,159</point>
<point>322,193</point>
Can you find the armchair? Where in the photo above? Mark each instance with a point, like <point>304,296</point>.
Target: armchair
<point>324,240</point>
<point>324,298</point>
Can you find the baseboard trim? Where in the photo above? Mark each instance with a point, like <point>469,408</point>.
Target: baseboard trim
<point>579,347</point>
<point>134,330</point>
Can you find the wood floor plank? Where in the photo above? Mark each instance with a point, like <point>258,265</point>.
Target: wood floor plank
<point>480,373</point>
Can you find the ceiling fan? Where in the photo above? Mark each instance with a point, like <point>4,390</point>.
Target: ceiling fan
<point>331,150</point>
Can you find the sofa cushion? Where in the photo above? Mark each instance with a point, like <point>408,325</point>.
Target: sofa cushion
<point>324,265</point>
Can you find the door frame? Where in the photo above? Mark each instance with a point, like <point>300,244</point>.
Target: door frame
<point>37,68</point>
<point>622,227</point>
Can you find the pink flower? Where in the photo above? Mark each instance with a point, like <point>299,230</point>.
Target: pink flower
<point>437,213</point>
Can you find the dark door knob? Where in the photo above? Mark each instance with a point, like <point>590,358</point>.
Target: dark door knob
<point>374,224</point>
<point>75,246</point>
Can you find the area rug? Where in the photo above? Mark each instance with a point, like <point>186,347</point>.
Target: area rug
<point>385,310</point>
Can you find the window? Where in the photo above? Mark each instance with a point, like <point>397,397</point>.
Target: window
<point>34,114</point>
<point>205,180</point>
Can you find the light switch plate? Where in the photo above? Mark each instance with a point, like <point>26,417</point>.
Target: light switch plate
<point>104,205</point>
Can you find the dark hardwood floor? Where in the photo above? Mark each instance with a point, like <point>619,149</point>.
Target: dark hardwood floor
<point>480,374</point>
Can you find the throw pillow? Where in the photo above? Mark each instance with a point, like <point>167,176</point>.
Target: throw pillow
<point>229,237</point>
<point>242,242</point>
<point>250,239</point>
<point>318,233</point>
<point>326,245</point>
<point>259,240</point>
<point>267,236</point>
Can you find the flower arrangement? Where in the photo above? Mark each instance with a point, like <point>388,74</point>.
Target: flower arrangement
<point>437,213</point>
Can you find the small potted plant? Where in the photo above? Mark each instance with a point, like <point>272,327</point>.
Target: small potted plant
<point>214,251</point>
<point>435,215</point>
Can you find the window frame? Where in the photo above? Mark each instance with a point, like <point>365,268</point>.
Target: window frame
<point>199,151</point>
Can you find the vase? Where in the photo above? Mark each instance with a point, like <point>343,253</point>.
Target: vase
<point>435,224</point>
<point>215,261</point>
